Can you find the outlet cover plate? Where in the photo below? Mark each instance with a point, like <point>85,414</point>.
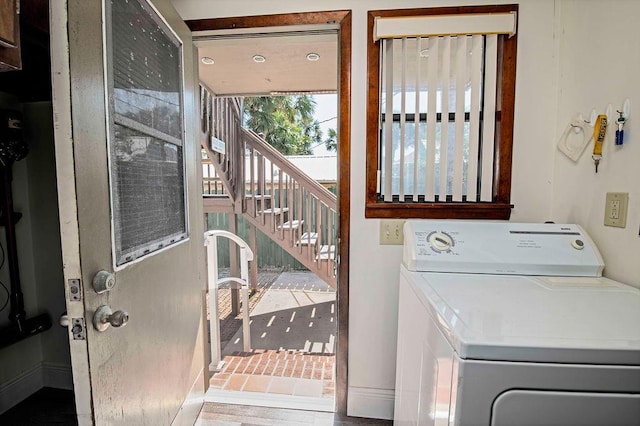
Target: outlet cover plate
<point>392,232</point>
<point>615,209</point>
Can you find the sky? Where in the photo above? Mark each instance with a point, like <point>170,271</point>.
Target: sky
<point>326,109</point>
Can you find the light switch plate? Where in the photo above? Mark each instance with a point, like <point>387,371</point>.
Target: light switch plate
<point>615,209</point>
<point>391,232</point>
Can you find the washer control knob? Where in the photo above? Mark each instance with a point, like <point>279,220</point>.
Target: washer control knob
<point>441,241</point>
<point>577,244</point>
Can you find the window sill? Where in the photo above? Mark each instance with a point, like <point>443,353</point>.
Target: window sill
<point>485,211</point>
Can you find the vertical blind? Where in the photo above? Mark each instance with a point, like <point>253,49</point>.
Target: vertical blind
<point>437,111</point>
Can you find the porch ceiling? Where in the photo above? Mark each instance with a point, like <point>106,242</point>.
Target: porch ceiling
<point>285,68</point>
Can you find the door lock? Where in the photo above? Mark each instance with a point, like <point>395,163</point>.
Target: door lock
<point>103,281</point>
<point>105,317</point>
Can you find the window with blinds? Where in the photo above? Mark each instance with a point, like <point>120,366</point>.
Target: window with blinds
<point>440,112</point>
<point>146,159</point>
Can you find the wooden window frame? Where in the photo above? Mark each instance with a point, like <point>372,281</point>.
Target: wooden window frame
<point>500,207</point>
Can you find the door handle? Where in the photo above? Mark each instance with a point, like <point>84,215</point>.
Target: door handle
<point>105,317</point>
<point>64,320</point>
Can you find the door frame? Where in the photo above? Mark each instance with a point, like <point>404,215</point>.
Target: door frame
<point>343,19</point>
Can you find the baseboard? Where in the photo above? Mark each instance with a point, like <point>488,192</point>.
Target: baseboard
<point>21,387</point>
<point>57,376</point>
<point>26,384</point>
<point>370,403</point>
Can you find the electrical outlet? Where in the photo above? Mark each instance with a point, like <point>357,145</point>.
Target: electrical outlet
<point>615,209</point>
<point>391,232</point>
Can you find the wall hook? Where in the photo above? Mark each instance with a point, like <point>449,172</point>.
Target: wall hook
<point>623,116</point>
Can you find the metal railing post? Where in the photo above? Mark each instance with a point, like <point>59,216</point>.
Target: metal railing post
<point>246,255</point>
<point>212,285</point>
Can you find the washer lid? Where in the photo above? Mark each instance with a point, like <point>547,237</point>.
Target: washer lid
<point>537,319</point>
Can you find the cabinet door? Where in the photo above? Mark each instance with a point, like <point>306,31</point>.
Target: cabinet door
<point>9,36</point>
<point>8,26</point>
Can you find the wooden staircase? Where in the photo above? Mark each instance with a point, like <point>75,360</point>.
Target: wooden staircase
<point>244,175</point>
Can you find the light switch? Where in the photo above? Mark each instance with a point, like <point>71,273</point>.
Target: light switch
<point>615,209</point>
<point>391,232</point>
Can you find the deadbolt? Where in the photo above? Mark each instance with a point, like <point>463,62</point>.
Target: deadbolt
<point>105,317</point>
<point>103,281</point>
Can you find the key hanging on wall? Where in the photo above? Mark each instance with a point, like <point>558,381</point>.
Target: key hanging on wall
<point>599,133</point>
<point>623,116</point>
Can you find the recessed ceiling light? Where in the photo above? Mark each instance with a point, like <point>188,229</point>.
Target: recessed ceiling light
<point>259,59</point>
<point>207,60</point>
<point>313,57</point>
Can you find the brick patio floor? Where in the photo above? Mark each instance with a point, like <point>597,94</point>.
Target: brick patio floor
<point>279,372</point>
<point>272,371</point>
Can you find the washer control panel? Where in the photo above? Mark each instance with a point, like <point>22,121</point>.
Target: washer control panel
<point>500,248</point>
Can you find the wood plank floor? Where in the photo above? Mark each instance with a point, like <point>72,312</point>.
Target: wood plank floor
<point>46,407</point>
<point>56,407</point>
<point>215,414</point>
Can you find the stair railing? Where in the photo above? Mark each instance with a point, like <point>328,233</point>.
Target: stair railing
<point>274,195</point>
<point>221,121</point>
<point>214,283</point>
<point>212,184</point>
<point>291,207</point>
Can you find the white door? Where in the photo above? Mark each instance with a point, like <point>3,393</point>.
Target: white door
<point>130,205</point>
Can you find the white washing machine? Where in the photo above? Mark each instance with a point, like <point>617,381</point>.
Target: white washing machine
<point>512,324</point>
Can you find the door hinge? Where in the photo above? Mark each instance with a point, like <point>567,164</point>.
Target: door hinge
<point>75,290</point>
<point>78,329</point>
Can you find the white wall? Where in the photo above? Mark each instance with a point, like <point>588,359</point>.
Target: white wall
<point>374,269</point>
<point>600,64</point>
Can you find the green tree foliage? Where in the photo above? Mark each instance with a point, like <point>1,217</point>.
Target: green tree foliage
<point>331,142</point>
<point>285,122</point>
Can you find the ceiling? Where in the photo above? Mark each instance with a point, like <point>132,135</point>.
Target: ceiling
<point>285,68</point>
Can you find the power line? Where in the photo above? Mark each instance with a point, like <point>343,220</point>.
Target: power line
<point>328,119</point>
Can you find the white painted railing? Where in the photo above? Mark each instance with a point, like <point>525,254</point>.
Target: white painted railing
<point>242,282</point>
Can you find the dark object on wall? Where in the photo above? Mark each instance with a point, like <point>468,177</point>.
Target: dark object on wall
<point>12,146</point>
<point>12,149</point>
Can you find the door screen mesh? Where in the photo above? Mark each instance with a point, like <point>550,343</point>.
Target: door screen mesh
<point>146,158</point>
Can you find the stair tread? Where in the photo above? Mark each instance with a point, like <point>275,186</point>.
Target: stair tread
<point>292,224</point>
<point>276,210</point>
<point>308,238</point>
<point>326,252</point>
<point>258,196</point>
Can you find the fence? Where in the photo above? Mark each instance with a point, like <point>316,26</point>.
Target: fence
<point>268,253</point>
